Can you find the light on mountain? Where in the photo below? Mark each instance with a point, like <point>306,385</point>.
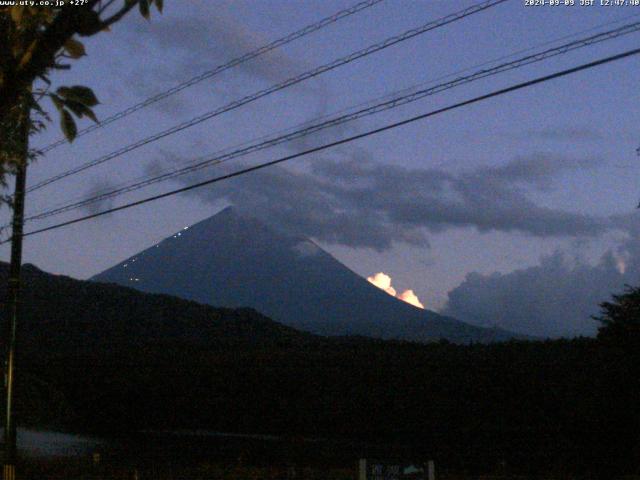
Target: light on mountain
<point>383,282</point>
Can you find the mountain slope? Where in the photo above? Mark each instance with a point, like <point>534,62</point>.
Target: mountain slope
<point>236,261</point>
<point>61,315</point>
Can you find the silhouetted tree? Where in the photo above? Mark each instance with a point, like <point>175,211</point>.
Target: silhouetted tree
<point>620,318</point>
<point>34,42</point>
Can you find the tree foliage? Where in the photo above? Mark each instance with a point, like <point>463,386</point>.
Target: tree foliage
<point>36,41</point>
<point>620,318</point>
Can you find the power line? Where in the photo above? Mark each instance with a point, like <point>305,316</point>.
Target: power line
<point>221,68</point>
<point>376,131</point>
<point>105,193</point>
<point>377,108</point>
<point>277,87</point>
<point>368,111</point>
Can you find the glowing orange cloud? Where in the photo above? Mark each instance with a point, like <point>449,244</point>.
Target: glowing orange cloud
<point>383,282</point>
<point>621,265</point>
<point>410,297</point>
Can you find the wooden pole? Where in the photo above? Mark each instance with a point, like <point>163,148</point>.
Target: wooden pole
<point>13,301</point>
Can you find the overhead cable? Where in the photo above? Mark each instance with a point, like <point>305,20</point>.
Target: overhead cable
<point>274,88</point>
<point>219,69</point>
<point>392,103</point>
<point>352,138</point>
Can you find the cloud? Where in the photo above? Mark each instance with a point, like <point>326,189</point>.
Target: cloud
<point>552,299</point>
<point>410,297</point>
<point>351,200</point>
<point>204,42</point>
<point>564,134</point>
<point>538,170</point>
<point>99,187</point>
<point>176,47</point>
<point>383,282</point>
<point>306,249</point>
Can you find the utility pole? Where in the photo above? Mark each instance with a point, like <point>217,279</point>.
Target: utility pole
<point>13,296</point>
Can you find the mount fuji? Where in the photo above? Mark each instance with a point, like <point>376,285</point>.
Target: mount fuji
<point>233,260</point>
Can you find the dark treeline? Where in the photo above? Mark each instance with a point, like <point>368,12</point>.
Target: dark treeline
<point>110,360</point>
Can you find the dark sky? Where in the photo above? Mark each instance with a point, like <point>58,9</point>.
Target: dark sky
<point>518,211</point>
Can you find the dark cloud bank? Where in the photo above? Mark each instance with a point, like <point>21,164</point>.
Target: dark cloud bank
<point>554,299</point>
<point>361,203</point>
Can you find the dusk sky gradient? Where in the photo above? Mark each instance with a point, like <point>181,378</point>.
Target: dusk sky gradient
<point>518,211</point>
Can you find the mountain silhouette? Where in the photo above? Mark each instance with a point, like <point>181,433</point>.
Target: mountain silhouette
<point>233,260</point>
